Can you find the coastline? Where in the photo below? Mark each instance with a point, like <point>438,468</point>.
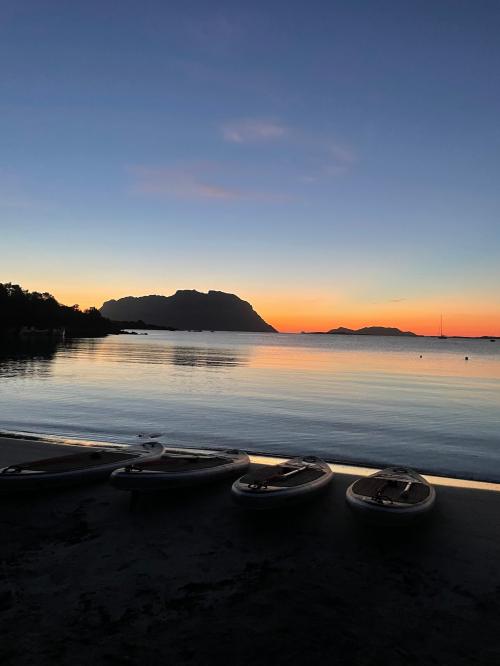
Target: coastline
<point>412,336</point>
<point>189,578</point>
<point>16,447</point>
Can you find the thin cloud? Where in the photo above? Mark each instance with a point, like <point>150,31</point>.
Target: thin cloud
<point>322,156</point>
<point>191,183</point>
<point>249,131</point>
<point>332,159</point>
<point>328,158</point>
<point>207,191</point>
<point>342,155</point>
<point>179,183</point>
<point>390,300</point>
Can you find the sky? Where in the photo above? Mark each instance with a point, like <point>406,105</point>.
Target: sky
<point>334,163</point>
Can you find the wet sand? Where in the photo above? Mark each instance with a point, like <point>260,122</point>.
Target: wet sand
<point>86,576</point>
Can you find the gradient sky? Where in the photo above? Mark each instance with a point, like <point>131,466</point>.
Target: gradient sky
<point>334,163</point>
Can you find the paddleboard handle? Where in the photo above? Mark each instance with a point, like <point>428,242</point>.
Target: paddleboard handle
<point>379,495</point>
<point>406,490</point>
<point>257,485</point>
<point>132,468</point>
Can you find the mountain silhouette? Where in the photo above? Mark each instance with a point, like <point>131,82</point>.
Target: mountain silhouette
<point>189,310</point>
<point>371,330</point>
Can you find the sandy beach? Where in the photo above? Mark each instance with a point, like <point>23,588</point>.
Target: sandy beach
<point>189,578</point>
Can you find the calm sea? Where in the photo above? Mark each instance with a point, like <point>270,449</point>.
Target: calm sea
<point>355,399</point>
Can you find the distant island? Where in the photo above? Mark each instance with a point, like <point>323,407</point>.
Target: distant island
<point>30,314</point>
<point>369,330</point>
<point>189,310</point>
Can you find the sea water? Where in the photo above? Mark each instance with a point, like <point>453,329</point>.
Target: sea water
<point>355,399</point>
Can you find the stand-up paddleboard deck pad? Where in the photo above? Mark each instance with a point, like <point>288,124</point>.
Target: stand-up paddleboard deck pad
<point>179,468</point>
<point>394,493</point>
<point>278,485</point>
<point>85,466</point>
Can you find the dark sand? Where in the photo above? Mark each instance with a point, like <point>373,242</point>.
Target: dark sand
<point>86,578</point>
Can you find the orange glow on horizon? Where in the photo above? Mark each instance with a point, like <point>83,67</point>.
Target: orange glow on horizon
<point>324,312</point>
<point>422,318</point>
<point>466,325</point>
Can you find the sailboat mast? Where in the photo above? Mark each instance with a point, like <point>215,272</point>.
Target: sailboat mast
<point>441,336</point>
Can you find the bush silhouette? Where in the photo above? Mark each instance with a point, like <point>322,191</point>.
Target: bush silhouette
<point>21,308</point>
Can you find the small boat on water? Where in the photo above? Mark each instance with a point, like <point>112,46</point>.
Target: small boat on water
<point>90,465</point>
<point>441,336</point>
<point>291,482</point>
<point>393,495</point>
<point>180,468</point>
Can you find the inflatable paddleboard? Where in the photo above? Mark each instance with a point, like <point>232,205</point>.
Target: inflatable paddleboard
<point>293,481</point>
<point>90,465</point>
<point>395,494</point>
<point>180,468</point>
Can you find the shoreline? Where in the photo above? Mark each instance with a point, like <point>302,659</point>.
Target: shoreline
<point>259,457</point>
<point>190,578</point>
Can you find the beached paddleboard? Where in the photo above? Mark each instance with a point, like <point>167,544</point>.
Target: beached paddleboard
<point>395,494</point>
<point>91,464</point>
<point>293,481</point>
<point>180,468</point>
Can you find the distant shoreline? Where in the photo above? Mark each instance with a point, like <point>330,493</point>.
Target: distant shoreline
<point>493,338</point>
<point>402,335</point>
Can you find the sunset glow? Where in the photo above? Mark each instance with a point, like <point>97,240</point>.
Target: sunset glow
<point>250,260</point>
<point>301,313</point>
<point>326,188</point>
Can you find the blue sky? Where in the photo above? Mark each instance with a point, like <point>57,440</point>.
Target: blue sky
<point>331,162</point>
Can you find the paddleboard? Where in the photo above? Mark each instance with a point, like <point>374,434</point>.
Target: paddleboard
<point>91,464</point>
<point>395,494</point>
<point>180,468</point>
<point>293,481</point>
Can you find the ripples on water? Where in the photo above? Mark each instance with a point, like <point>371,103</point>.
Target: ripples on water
<point>355,399</point>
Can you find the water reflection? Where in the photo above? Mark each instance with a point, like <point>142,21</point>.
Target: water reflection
<point>145,353</point>
<point>35,357</point>
<point>209,357</point>
<point>27,357</point>
<point>373,401</point>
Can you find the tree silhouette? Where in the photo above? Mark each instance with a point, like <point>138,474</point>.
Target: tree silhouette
<point>21,308</point>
